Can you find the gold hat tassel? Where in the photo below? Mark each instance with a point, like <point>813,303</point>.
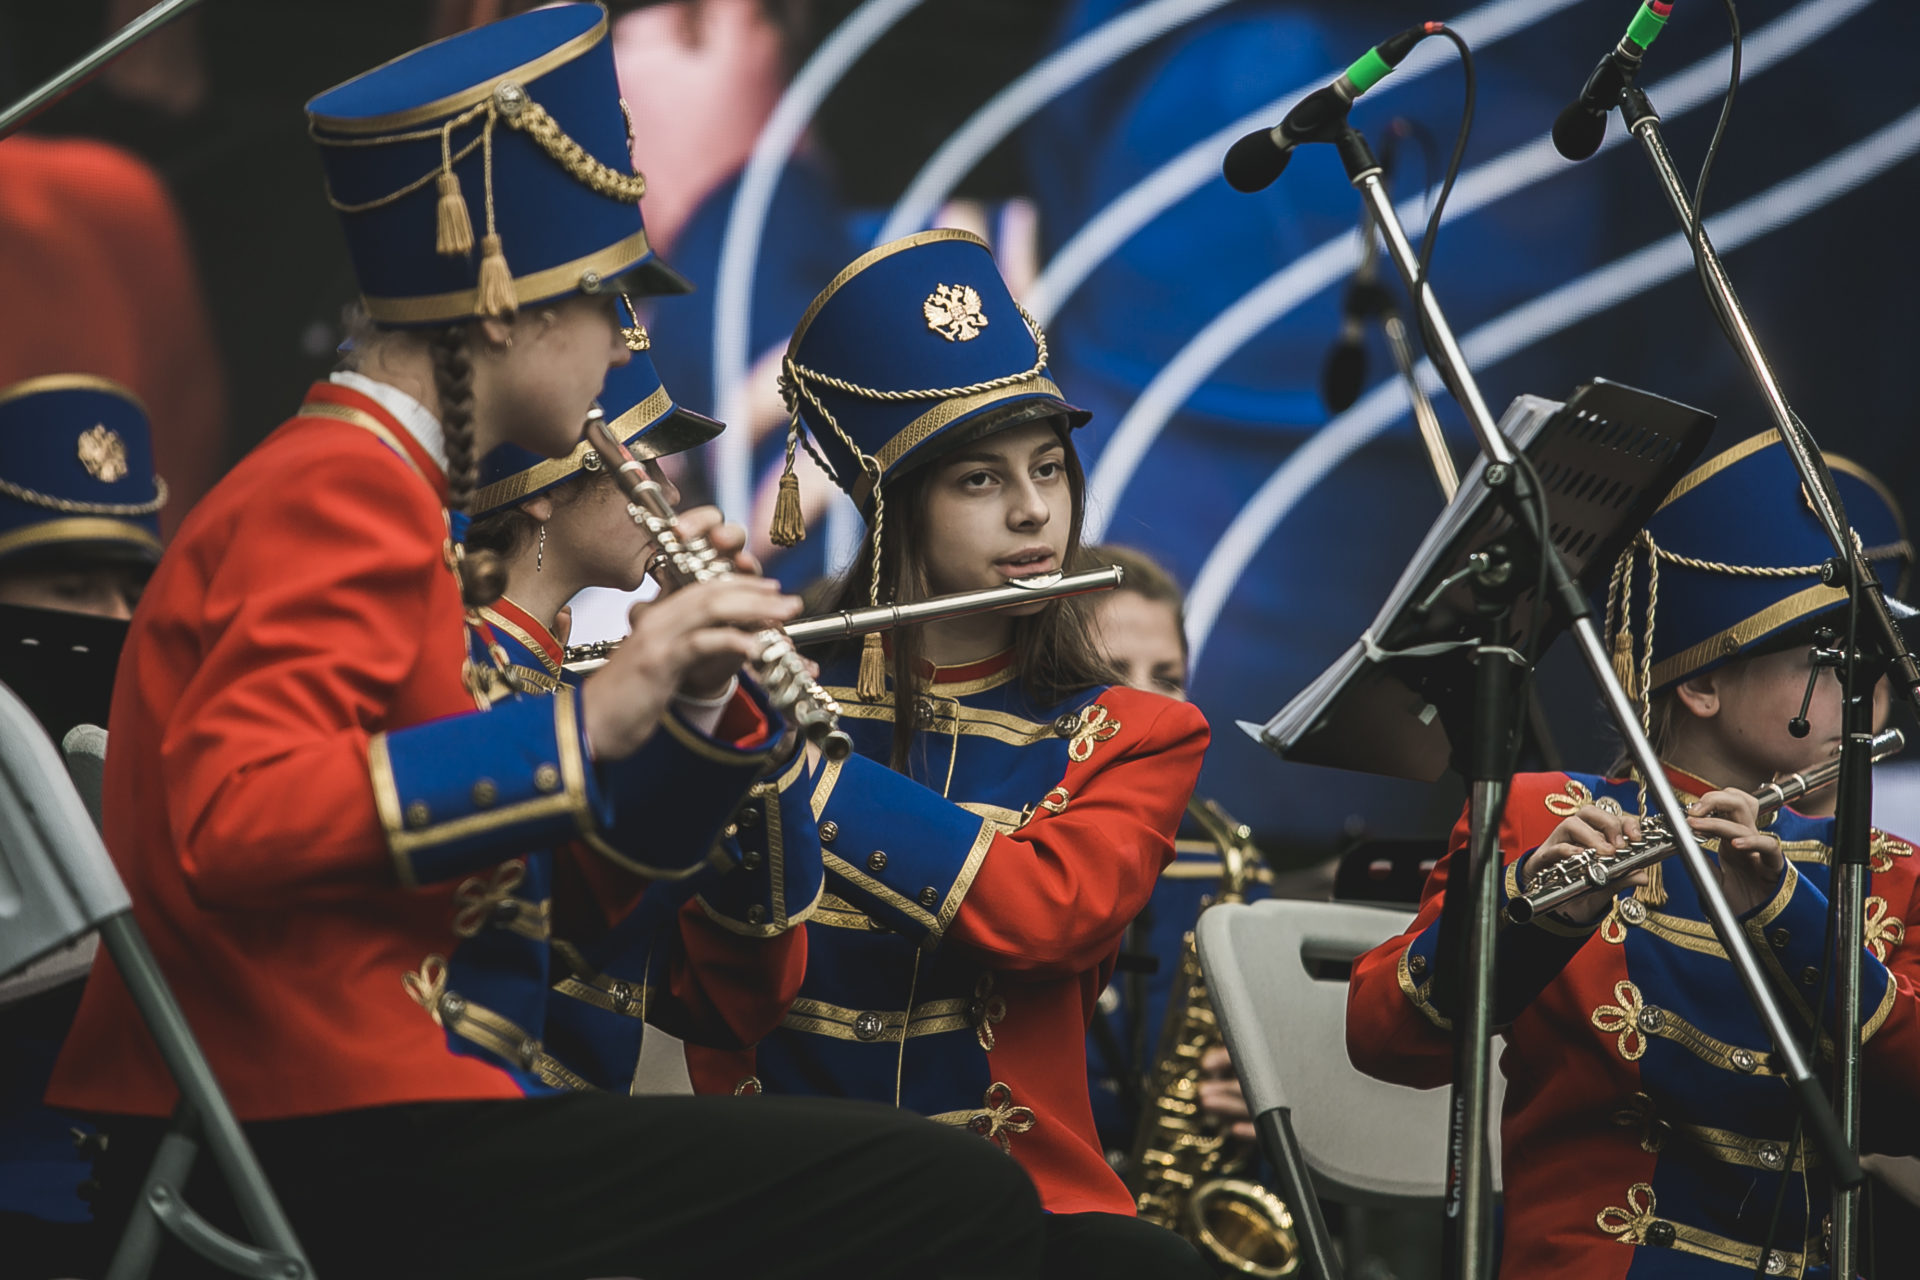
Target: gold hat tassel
<point>453,237</point>
<point>872,682</point>
<point>497,296</point>
<point>789,527</point>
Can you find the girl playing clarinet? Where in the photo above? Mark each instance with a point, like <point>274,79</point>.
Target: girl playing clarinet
<point>324,784</point>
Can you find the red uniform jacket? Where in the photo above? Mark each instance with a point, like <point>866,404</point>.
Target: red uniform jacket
<point>305,611</point>
<point>1643,1105</point>
<point>974,909</point>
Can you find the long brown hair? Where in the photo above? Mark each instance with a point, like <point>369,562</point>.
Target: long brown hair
<point>1053,649</point>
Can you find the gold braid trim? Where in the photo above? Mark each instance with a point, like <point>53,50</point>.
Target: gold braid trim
<point>534,121</point>
<point>21,493</point>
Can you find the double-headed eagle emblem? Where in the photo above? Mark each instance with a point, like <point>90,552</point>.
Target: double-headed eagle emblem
<point>103,454</point>
<point>953,312</point>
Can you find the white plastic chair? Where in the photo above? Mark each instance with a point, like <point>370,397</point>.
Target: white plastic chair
<point>1366,1142</point>
<point>56,884</point>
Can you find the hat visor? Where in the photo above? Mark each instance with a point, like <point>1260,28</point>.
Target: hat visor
<point>675,432</point>
<point>989,421</point>
<point>649,278</point>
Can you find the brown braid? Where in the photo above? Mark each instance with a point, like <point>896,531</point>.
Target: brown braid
<point>483,577</point>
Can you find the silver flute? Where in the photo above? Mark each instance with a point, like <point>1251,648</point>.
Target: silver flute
<point>683,560</point>
<point>884,617</point>
<point>1592,870</point>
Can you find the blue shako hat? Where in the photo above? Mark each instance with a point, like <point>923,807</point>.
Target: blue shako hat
<point>76,470</point>
<point>910,343</point>
<point>1731,563</point>
<point>639,413</point>
<point>507,144</point>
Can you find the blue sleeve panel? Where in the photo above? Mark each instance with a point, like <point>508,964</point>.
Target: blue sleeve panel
<point>898,851</point>
<point>1526,958</point>
<point>462,793</point>
<point>775,877</point>
<point>672,799</point>
<point>1788,932</point>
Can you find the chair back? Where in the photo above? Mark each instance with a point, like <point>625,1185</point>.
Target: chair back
<point>1366,1141</point>
<point>56,881</point>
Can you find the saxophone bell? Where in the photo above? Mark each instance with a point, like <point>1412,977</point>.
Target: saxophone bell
<point>1183,1174</point>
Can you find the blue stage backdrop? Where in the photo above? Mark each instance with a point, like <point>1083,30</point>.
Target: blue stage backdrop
<point>1197,334</point>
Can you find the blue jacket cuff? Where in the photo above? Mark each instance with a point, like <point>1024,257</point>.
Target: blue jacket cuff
<point>1788,931</point>
<point>465,792</point>
<point>896,850</point>
<point>672,798</point>
<point>775,877</point>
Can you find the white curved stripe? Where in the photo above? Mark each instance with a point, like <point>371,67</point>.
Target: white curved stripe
<point>1521,328</point>
<point>1008,109</point>
<point>732,455</point>
<point>1187,172</point>
<point>1321,266</point>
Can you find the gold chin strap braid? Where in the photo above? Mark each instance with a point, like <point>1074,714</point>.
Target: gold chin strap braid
<point>453,234</point>
<point>789,522</point>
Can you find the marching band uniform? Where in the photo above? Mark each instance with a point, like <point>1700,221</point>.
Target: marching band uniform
<point>77,487</point>
<point>1643,1107</point>
<point>974,903</point>
<point>311,768</point>
<point>693,963</point>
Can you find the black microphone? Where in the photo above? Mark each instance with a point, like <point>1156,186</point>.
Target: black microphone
<point>1257,159</point>
<point>1580,129</point>
<point>1345,370</point>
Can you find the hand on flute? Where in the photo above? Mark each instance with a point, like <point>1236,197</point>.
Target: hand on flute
<point>683,637</point>
<point>1605,830</point>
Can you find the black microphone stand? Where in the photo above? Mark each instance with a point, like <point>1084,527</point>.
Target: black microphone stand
<point>1859,669</point>
<point>1467,948</point>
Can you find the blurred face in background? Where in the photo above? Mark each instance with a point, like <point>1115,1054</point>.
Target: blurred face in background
<point>1142,638</point>
<point>103,590</point>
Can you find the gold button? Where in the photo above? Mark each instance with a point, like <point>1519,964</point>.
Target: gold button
<point>418,815</point>
<point>929,896</point>
<point>1729,645</point>
<point>485,792</point>
<point>877,861</point>
<point>546,778</point>
<point>756,914</point>
<point>1744,1061</point>
<point>1416,965</point>
<point>829,831</point>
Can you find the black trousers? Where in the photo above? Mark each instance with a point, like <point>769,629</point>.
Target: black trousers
<point>598,1185</point>
<point>595,1185</point>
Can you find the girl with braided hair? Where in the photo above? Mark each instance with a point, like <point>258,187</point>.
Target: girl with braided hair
<point>344,826</point>
<point>1643,1105</point>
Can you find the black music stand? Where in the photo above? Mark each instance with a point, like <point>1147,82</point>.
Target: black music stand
<point>1435,679</point>
<point>1606,458</point>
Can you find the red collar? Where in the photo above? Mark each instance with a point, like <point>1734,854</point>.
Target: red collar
<point>967,672</point>
<point>529,631</point>
<point>332,401</point>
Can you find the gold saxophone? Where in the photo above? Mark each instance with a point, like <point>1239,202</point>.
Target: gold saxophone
<point>1182,1176</point>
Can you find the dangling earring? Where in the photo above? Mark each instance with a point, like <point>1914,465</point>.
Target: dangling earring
<point>540,552</point>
